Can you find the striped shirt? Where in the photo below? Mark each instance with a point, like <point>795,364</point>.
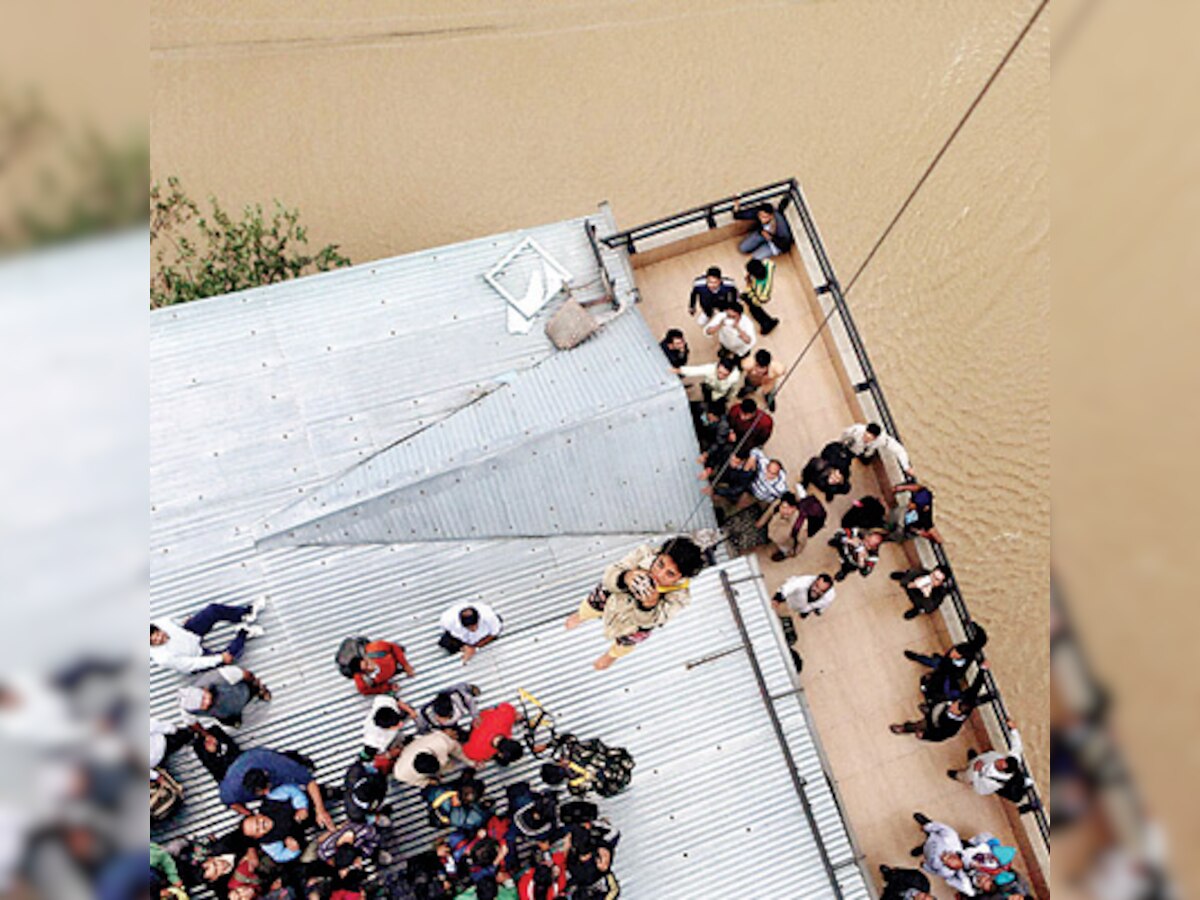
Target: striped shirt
<point>764,487</point>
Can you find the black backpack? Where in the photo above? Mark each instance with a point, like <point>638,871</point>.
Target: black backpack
<point>351,648</point>
<point>609,769</point>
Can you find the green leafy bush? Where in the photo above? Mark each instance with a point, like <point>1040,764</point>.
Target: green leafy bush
<point>198,254</point>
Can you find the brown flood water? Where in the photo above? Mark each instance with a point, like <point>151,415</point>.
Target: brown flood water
<point>401,125</point>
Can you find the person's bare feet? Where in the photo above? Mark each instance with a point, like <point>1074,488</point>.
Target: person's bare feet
<point>603,662</point>
<point>573,621</point>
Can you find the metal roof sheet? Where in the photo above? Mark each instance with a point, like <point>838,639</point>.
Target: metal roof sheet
<point>259,399</point>
<point>592,440</point>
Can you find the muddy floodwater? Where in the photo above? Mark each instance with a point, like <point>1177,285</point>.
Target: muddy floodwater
<point>401,125</point>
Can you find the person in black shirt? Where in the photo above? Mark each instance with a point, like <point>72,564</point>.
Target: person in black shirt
<point>926,589</point>
<point>904,884</point>
<point>943,720</point>
<point>830,472</point>
<point>712,293</point>
<point>675,348</point>
<point>949,670</point>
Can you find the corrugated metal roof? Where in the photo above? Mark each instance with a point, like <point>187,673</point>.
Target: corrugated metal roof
<point>590,441</point>
<point>259,399</point>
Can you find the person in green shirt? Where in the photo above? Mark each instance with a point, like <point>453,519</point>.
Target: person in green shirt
<point>489,890</point>
<point>760,281</point>
<point>162,862</point>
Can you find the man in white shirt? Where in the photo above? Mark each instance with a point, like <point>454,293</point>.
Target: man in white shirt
<point>466,627</point>
<point>718,380</point>
<point>180,646</point>
<point>994,772</point>
<point>734,330</point>
<point>804,595</point>
<point>944,854</point>
<point>381,730</point>
<point>867,441</point>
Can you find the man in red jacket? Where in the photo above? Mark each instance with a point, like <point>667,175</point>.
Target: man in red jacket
<point>374,670</point>
<point>751,425</point>
<point>491,736</point>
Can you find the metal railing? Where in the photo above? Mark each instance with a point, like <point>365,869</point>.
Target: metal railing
<point>798,782</point>
<point>786,195</point>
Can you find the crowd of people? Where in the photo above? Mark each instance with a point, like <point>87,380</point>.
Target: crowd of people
<point>733,384</point>
<point>298,838</point>
<point>301,839</point>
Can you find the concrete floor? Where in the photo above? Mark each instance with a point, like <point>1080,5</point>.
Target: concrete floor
<point>856,678</point>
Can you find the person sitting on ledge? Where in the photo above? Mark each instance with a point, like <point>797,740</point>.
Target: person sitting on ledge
<point>771,234</point>
<point>997,773</point>
<point>926,589</point>
<point>915,518</point>
<point>945,719</point>
<point>945,681</point>
<point>866,442</point>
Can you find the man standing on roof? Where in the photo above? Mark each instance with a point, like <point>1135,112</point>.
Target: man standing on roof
<point>640,593</point>
<point>452,711</point>
<point>467,627</point>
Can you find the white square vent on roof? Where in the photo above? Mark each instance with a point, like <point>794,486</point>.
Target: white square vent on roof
<point>528,278</point>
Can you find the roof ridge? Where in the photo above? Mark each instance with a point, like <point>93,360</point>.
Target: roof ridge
<point>275,537</point>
